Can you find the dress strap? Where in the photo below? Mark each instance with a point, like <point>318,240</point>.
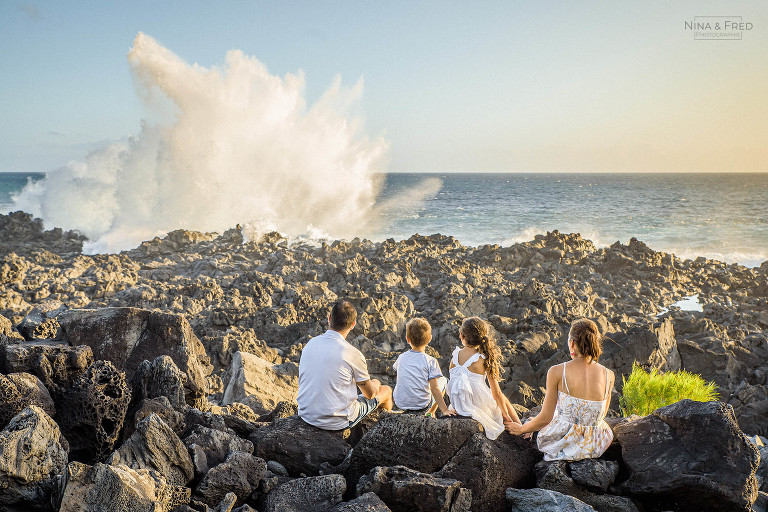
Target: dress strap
<point>565,382</point>
<point>607,389</point>
<point>456,356</point>
<point>471,359</point>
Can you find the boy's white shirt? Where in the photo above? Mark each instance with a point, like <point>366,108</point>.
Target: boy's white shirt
<point>414,370</point>
<point>329,370</point>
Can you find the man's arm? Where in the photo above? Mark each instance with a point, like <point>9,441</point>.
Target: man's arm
<point>369,388</point>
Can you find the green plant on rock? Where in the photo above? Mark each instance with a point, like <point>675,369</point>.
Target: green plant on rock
<point>644,392</point>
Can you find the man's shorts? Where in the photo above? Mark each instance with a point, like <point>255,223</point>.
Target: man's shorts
<point>367,405</point>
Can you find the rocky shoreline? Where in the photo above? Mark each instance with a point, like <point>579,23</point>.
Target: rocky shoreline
<point>174,366</point>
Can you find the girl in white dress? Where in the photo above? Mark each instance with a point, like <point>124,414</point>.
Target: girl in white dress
<point>478,359</point>
<point>572,418</point>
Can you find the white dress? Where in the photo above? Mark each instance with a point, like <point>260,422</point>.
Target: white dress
<point>578,429</point>
<point>471,396</point>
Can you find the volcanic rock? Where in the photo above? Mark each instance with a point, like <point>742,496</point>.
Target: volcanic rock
<point>543,500</point>
<point>20,390</point>
<point>688,455</point>
<point>405,489</point>
<point>258,383</point>
<point>368,502</point>
<point>313,494</point>
<point>240,473</point>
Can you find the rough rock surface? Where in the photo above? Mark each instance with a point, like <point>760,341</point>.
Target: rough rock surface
<point>405,489</point>
<point>55,363</point>
<point>160,377</point>
<point>128,336</point>
<point>487,468</point>
<point>210,447</point>
<point>368,502</point>
<point>554,476</point>
<point>594,474</point>
<point>313,494</point>
<point>299,446</point>
<point>117,488</point>
<point>240,473</point>
<point>92,411</point>
<point>32,453</point>
<point>688,455</point>
<point>258,383</point>
<point>543,500</point>
<point>420,443</point>
<point>20,390</point>
<point>154,446</point>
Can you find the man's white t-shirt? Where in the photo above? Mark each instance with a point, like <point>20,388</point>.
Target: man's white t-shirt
<point>414,370</point>
<point>329,370</point>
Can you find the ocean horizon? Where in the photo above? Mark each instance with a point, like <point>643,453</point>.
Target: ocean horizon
<point>719,216</point>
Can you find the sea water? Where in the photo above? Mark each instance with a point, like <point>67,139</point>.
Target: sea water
<point>720,216</point>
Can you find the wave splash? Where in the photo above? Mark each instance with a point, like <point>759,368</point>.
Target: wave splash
<point>242,146</point>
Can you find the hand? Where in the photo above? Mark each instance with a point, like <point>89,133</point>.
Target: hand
<point>449,412</point>
<point>514,428</point>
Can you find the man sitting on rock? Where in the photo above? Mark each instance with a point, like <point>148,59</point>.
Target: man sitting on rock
<point>331,370</point>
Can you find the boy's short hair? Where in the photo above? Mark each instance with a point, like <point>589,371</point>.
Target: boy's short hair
<point>418,331</point>
<point>343,315</point>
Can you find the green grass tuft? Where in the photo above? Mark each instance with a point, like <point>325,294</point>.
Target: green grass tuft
<point>645,392</point>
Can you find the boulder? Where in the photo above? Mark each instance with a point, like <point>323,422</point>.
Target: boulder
<point>154,446</point>
<point>40,323</point>
<point>128,336</point>
<point>32,453</point>
<point>651,346</point>
<point>421,443</point>
<point>313,494</point>
<point>553,476</point>
<point>368,502</point>
<point>8,333</point>
<point>594,474</point>
<point>689,455</point>
<point>160,377</point>
<point>750,405</point>
<point>20,390</point>
<point>283,409</point>
<point>405,489</point>
<point>543,500</point>
<point>300,447</point>
<point>103,487</point>
<point>240,473</point>
<point>160,406</point>
<point>55,363</point>
<point>92,411</point>
<point>488,467</point>
<point>210,447</point>
<point>258,383</point>
<point>762,469</point>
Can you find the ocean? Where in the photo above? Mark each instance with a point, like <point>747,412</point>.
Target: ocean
<point>719,216</point>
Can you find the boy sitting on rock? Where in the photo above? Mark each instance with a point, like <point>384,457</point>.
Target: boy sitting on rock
<point>331,370</point>
<point>420,383</point>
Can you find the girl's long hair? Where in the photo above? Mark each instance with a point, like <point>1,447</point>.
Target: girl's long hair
<point>477,334</point>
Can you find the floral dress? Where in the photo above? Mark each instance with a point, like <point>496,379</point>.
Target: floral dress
<point>578,429</point>
<point>471,396</point>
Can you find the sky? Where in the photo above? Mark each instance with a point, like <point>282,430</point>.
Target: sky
<point>493,86</point>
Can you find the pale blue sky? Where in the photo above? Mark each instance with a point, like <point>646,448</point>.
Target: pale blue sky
<point>454,86</point>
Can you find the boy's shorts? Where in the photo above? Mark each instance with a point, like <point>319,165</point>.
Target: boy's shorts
<point>367,405</point>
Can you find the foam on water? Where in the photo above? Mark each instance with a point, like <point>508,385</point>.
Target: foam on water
<point>242,147</point>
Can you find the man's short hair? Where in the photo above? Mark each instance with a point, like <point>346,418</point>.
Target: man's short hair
<point>343,316</point>
<point>418,331</point>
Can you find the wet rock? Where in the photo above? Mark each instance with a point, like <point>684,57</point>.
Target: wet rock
<point>240,473</point>
<point>420,443</point>
<point>368,502</point>
<point>675,454</point>
<point>32,453</point>
<point>595,474</point>
<point>56,364</point>
<point>553,476</point>
<point>405,489</point>
<point>128,336</point>
<point>258,383</point>
<point>300,447</point>
<point>24,234</point>
<point>487,468</point>
<point>20,390</point>
<point>544,500</point>
<point>117,488</point>
<point>92,411</point>
<point>154,446</point>
<point>160,377</point>
<point>313,494</point>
